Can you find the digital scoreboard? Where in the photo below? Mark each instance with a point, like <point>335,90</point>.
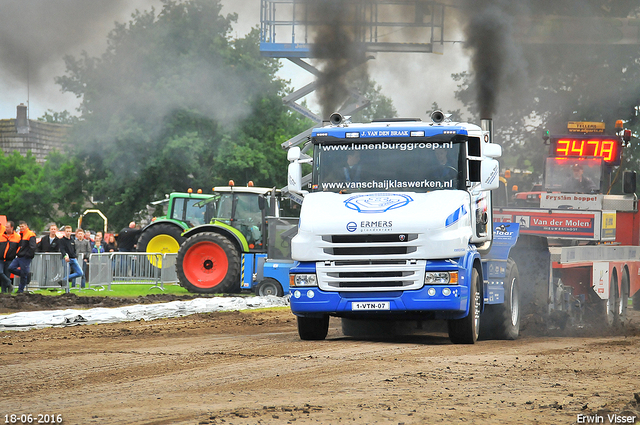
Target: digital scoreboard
<point>598,146</point>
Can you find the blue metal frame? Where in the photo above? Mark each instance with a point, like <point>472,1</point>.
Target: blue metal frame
<point>505,236</point>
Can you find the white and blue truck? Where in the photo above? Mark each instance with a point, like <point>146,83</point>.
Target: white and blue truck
<point>396,224</point>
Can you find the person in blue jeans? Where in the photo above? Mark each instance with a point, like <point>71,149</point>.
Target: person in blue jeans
<point>21,265</point>
<point>68,251</point>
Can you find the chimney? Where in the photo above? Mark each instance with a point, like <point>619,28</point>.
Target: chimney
<point>22,123</point>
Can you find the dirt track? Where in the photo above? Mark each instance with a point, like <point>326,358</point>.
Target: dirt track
<point>250,368</point>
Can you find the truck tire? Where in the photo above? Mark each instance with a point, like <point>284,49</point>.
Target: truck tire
<point>465,330</point>
<point>502,321</point>
<point>163,238</point>
<point>269,286</point>
<point>609,306</point>
<point>208,263</point>
<point>636,300</point>
<point>313,328</point>
<point>623,300</point>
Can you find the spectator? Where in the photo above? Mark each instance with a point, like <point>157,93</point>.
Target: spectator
<point>111,245</point>
<point>68,250</point>
<point>128,238</point>
<point>98,247</point>
<point>83,246</point>
<point>9,241</point>
<point>50,243</point>
<point>21,265</point>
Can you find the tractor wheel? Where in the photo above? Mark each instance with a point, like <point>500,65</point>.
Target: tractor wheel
<point>161,238</point>
<point>465,330</point>
<point>269,286</point>
<point>208,263</point>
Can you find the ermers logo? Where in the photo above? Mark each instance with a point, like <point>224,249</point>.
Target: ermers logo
<point>352,226</point>
<point>377,202</point>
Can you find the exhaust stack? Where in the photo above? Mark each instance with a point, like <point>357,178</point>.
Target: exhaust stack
<point>487,128</point>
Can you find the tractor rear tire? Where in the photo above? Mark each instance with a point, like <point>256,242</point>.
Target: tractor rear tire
<point>163,238</point>
<point>208,263</point>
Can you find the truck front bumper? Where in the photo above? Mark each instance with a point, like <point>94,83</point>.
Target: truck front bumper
<point>442,301</point>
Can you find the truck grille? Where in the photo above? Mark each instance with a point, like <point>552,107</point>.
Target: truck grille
<point>376,275</point>
<point>370,244</point>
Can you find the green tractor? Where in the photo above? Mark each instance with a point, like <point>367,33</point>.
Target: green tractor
<point>222,240</point>
<point>234,251</point>
<point>164,234</point>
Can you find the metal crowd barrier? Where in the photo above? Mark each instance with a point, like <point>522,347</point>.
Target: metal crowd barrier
<point>104,269</point>
<point>128,267</point>
<point>46,270</point>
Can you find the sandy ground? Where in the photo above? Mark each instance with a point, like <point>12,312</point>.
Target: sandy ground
<point>251,368</point>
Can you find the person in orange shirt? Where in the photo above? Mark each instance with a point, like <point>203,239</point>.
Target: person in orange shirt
<point>26,251</point>
<point>9,241</point>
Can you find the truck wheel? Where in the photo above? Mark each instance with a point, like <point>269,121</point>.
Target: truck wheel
<point>502,321</point>
<point>163,238</point>
<point>508,314</point>
<point>608,307</point>
<point>465,330</point>
<point>269,286</point>
<point>623,300</point>
<point>636,301</point>
<point>208,263</point>
<point>313,328</point>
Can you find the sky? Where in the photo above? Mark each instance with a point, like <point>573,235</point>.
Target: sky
<point>37,34</point>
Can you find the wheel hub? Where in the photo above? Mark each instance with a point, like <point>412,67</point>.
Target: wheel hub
<point>208,264</point>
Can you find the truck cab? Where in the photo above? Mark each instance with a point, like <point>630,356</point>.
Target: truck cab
<point>394,223</point>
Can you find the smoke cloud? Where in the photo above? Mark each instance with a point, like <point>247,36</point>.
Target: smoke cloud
<point>496,58</point>
<point>36,33</point>
<point>335,47</point>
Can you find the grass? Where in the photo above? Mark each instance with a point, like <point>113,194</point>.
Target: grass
<point>118,290</point>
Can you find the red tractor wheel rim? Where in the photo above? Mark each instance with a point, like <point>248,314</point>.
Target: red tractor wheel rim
<point>205,265</point>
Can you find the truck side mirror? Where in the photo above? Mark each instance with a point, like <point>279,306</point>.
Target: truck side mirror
<point>293,154</point>
<point>492,150</point>
<point>629,182</point>
<point>489,174</point>
<point>294,179</point>
<point>261,202</point>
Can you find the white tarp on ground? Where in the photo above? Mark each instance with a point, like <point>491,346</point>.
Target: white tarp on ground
<point>43,319</point>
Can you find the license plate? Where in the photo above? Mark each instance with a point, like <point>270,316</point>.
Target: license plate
<point>380,305</point>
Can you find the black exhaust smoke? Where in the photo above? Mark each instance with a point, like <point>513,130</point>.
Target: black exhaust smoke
<point>496,59</point>
<point>335,47</point>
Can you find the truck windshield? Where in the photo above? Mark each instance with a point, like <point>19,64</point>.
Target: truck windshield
<point>388,167</point>
<point>573,175</point>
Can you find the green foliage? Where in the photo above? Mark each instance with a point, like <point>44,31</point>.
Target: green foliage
<point>63,117</point>
<point>26,195</point>
<point>380,106</point>
<point>175,103</point>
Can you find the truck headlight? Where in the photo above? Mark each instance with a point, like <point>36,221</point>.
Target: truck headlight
<point>297,280</point>
<point>441,278</point>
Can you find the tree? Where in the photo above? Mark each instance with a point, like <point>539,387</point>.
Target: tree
<point>558,83</point>
<point>380,106</point>
<point>175,103</point>
<point>26,193</point>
